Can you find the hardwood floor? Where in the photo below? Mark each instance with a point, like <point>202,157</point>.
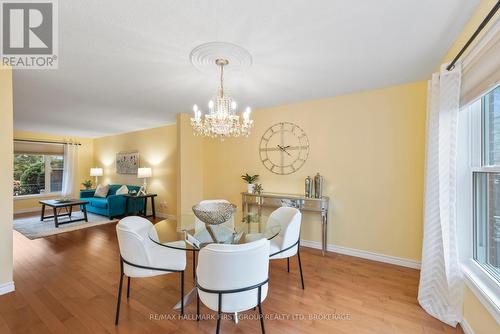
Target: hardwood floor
<point>68,283</point>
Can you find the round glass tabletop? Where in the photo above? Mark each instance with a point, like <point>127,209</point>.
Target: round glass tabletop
<point>253,227</point>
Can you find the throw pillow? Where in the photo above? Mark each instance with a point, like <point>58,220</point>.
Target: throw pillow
<point>123,190</point>
<point>101,191</point>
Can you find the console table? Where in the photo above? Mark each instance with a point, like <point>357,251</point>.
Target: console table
<point>273,200</point>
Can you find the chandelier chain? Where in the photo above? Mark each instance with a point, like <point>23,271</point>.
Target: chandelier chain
<point>221,80</point>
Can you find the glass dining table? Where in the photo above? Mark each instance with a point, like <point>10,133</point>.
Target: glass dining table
<point>252,227</point>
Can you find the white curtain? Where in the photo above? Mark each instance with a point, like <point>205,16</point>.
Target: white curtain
<point>440,290</point>
<point>70,169</point>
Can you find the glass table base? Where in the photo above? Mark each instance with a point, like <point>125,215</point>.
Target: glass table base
<point>188,298</point>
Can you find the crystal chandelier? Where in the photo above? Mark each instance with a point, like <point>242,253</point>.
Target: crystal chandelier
<point>221,120</point>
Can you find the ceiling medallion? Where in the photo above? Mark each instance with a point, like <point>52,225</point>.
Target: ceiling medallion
<point>204,56</point>
<point>221,121</point>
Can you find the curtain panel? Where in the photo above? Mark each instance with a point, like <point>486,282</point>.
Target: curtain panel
<point>70,169</point>
<point>440,290</point>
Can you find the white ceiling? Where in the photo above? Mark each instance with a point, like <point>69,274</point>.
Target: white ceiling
<point>124,65</point>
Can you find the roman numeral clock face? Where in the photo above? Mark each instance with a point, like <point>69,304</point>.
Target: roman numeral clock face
<point>284,148</point>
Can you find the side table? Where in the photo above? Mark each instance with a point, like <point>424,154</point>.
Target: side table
<point>134,198</point>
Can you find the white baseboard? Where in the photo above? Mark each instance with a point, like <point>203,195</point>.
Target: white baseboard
<point>466,327</point>
<point>7,287</point>
<point>164,215</point>
<point>364,254</point>
<point>28,210</point>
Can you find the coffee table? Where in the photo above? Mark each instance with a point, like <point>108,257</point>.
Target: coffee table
<point>57,205</point>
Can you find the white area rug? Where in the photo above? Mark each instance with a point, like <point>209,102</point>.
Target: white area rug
<point>33,228</point>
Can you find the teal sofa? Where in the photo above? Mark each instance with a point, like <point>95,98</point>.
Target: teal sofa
<point>113,205</point>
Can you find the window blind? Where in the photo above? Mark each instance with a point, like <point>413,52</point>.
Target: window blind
<point>38,148</point>
<point>481,67</point>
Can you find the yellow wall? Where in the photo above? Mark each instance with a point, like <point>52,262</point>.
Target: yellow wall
<point>157,149</point>
<point>85,161</point>
<point>369,147</point>
<point>475,314</point>
<point>190,171</point>
<point>6,163</point>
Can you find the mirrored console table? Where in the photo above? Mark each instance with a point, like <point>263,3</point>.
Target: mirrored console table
<point>274,200</point>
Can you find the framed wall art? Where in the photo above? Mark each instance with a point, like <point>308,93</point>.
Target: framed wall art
<point>127,162</point>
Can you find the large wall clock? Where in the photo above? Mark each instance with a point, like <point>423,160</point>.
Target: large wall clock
<point>284,148</point>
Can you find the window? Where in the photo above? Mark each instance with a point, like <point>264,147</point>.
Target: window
<point>37,173</point>
<point>486,185</point>
<point>487,222</point>
<point>490,110</point>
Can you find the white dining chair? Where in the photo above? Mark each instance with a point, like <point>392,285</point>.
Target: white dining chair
<point>287,243</point>
<point>233,278</point>
<point>141,257</point>
<point>203,236</point>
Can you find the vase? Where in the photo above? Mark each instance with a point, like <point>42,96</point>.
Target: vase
<point>318,186</point>
<point>308,184</point>
<point>250,188</point>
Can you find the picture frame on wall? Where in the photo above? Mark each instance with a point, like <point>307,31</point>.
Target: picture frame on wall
<point>127,162</point>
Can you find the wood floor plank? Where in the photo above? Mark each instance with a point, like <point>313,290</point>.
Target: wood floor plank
<point>68,283</point>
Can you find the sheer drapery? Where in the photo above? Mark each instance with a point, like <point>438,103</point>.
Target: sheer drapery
<point>440,290</point>
<point>70,169</point>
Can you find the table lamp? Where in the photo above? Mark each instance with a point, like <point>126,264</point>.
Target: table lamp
<point>144,173</point>
<point>96,172</point>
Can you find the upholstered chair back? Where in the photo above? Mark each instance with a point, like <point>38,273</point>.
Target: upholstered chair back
<point>290,220</point>
<point>230,267</point>
<point>133,239</point>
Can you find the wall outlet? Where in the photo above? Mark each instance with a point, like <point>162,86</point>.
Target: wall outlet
<point>163,205</point>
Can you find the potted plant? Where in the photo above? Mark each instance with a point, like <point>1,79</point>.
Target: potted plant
<point>87,184</point>
<point>257,188</point>
<point>250,179</point>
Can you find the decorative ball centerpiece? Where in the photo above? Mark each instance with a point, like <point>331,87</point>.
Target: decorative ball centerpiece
<point>214,213</point>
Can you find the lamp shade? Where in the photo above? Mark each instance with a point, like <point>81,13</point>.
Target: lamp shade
<point>143,172</point>
<point>96,172</point>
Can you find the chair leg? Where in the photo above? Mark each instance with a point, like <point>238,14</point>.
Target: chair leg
<point>194,265</point>
<point>288,264</point>
<point>119,295</point>
<point>300,267</point>
<point>182,293</point>
<point>128,288</point>
<point>219,314</point>
<point>261,316</point>
<point>197,307</point>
